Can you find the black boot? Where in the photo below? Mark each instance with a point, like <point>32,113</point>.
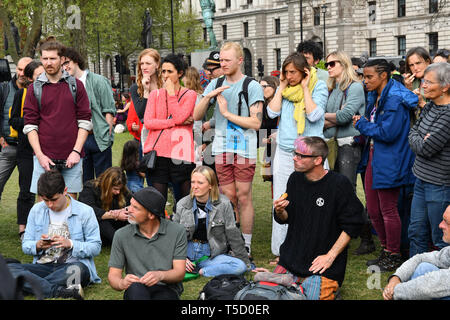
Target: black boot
<point>367,245</point>
<point>382,255</point>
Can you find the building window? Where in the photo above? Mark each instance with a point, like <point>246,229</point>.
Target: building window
<point>249,1</point>
<point>372,47</point>
<point>372,11</point>
<point>277,26</point>
<point>245,29</point>
<point>433,43</point>
<point>401,8</point>
<point>227,3</point>
<point>433,6</point>
<point>224,32</point>
<point>401,44</point>
<point>205,35</point>
<point>316,16</point>
<point>278,59</point>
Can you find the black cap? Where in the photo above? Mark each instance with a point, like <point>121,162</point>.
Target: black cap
<point>214,58</point>
<point>152,200</point>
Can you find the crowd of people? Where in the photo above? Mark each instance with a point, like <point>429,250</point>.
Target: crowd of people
<point>197,132</point>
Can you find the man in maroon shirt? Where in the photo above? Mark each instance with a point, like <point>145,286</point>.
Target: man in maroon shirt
<point>57,127</point>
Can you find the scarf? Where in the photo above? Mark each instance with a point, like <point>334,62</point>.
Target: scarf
<point>295,95</point>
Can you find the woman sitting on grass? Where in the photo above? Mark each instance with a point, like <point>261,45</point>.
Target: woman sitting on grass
<point>109,196</point>
<point>211,228</point>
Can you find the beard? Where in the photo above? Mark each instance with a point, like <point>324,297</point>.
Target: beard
<point>53,70</point>
<point>131,220</point>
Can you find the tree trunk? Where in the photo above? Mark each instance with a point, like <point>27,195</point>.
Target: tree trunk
<point>35,32</point>
<point>7,29</point>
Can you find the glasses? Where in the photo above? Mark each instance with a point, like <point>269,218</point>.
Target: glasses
<point>428,82</point>
<point>65,63</point>
<point>265,86</point>
<point>301,155</point>
<point>212,69</point>
<point>331,64</point>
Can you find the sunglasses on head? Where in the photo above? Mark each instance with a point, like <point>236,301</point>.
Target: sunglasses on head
<point>331,64</point>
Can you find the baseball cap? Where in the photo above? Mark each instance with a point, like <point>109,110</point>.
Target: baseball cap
<point>214,58</point>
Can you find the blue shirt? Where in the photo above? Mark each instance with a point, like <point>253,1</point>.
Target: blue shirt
<point>245,143</point>
<point>83,228</point>
<point>287,127</point>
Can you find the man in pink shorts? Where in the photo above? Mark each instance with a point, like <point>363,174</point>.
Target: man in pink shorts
<point>235,140</point>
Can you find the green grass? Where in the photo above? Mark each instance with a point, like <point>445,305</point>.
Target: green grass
<point>355,286</point>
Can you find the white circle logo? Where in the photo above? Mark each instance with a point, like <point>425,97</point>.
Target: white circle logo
<point>320,202</point>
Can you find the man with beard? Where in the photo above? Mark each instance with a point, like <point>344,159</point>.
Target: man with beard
<point>151,249</point>
<point>57,120</point>
<point>9,137</point>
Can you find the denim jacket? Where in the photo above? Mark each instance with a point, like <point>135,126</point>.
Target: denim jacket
<point>83,228</point>
<point>222,232</point>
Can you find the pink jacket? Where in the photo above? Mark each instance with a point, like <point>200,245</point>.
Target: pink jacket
<point>176,141</point>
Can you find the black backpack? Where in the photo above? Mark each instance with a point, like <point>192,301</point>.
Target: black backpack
<point>11,288</point>
<point>223,287</point>
<point>243,93</point>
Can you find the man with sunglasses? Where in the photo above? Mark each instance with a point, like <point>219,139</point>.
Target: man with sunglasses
<point>323,213</point>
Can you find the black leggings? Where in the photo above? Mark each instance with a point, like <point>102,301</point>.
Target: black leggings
<point>139,291</point>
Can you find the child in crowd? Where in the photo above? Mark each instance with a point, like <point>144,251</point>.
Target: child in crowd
<point>133,168</point>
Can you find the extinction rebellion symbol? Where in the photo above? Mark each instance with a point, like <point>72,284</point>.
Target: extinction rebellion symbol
<point>320,202</point>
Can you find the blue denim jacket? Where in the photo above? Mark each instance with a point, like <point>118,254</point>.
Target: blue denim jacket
<point>83,228</point>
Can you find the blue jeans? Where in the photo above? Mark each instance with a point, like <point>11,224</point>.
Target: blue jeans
<point>134,181</point>
<point>221,264</point>
<point>428,205</point>
<point>51,276</point>
<point>422,269</point>
<point>95,161</point>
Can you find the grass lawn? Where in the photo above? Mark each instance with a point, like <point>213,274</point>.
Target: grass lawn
<point>358,283</point>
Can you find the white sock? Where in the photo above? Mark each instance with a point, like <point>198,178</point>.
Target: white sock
<point>247,241</point>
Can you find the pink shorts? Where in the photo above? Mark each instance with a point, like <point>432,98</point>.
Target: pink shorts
<point>231,167</point>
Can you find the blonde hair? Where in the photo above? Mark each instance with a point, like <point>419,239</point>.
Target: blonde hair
<point>235,46</point>
<point>192,80</point>
<point>211,177</point>
<point>348,73</point>
<point>157,57</point>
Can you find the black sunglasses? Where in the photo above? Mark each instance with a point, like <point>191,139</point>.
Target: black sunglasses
<point>301,155</point>
<point>332,64</point>
<point>212,69</point>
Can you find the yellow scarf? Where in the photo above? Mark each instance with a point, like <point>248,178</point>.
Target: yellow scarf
<point>295,95</point>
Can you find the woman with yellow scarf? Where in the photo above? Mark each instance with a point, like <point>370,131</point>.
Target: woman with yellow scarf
<point>300,102</point>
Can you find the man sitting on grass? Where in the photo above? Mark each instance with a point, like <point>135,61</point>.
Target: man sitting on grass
<point>424,276</point>
<point>63,237</point>
<point>323,213</point>
<point>151,249</point>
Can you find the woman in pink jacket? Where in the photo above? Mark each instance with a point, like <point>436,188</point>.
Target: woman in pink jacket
<point>168,117</point>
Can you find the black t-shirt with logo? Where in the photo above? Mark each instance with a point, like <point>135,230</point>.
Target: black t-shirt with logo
<point>318,212</point>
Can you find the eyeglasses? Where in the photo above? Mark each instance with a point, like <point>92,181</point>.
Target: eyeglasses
<point>301,155</point>
<point>212,69</point>
<point>265,86</point>
<point>427,82</point>
<point>65,63</point>
<point>331,64</point>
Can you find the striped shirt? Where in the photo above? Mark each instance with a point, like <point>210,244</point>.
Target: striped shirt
<point>432,162</point>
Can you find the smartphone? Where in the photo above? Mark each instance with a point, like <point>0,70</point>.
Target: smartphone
<point>46,239</point>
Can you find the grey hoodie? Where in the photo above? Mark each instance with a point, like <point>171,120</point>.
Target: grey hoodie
<point>434,284</point>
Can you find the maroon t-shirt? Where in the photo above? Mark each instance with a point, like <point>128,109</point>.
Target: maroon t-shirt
<point>57,117</point>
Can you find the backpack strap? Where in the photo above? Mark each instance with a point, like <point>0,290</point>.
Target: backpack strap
<point>37,88</point>
<point>244,93</point>
<point>73,87</point>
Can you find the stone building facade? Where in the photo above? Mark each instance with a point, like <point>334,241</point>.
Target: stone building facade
<point>270,29</point>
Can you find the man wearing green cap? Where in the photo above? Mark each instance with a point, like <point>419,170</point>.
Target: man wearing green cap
<point>152,250</point>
